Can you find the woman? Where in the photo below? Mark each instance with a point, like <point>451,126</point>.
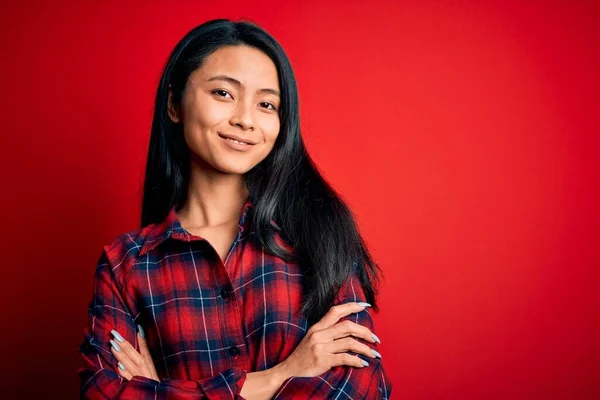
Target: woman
<point>248,277</point>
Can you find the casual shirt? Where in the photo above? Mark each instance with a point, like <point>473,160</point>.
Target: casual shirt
<point>208,322</point>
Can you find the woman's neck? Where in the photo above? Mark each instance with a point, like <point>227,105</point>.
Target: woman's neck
<point>213,199</point>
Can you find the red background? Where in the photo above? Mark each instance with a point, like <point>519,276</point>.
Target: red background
<point>463,134</point>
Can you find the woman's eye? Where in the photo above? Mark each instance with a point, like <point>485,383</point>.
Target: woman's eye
<point>221,93</point>
<point>267,105</point>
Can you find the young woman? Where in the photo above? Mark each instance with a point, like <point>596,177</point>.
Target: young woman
<point>248,277</point>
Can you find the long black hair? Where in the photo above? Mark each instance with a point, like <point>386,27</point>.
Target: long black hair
<point>286,187</point>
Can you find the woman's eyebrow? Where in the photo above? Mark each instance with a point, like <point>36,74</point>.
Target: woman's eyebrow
<point>237,83</point>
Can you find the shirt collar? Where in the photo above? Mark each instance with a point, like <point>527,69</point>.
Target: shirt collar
<point>171,227</point>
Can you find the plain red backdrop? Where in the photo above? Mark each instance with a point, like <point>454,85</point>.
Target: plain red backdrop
<point>463,134</point>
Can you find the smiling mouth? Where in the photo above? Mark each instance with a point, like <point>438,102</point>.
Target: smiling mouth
<point>235,140</point>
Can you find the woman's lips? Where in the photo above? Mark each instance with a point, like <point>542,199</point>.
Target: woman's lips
<point>236,139</point>
<point>236,145</point>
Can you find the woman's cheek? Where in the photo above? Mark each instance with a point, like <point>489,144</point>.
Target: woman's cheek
<point>271,129</point>
<point>213,114</point>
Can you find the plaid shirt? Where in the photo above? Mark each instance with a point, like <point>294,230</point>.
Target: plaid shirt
<point>207,322</point>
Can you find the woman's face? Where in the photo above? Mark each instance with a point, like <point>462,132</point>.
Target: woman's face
<point>234,94</point>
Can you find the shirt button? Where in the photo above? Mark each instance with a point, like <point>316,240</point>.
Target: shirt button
<point>225,293</point>
<point>234,351</point>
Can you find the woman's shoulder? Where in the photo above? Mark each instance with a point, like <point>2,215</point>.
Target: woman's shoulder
<point>127,247</point>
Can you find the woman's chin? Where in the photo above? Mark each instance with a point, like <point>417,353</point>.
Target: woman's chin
<point>233,168</point>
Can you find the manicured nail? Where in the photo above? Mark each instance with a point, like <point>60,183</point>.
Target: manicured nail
<point>142,335</point>
<point>375,338</point>
<point>121,366</point>
<point>366,364</point>
<point>115,345</point>
<point>363,304</point>
<point>117,336</point>
<point>376,353</point>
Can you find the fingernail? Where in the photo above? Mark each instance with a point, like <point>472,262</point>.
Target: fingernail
<point>121,366</point>
<point>117,336</point>
<point>363,304</point>
<point>376,353</point>
<point>375,338</point>
<point>366,364</point>
<point>142,335</point>
<point>115,345</point>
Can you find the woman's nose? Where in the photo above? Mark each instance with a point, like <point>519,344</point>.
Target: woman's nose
<point>242,116</point>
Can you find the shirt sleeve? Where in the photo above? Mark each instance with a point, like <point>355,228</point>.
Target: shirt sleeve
<point>344,382</point>
<point>99,378</point>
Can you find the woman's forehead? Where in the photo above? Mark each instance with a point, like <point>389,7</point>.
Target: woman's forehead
<point>250,66</point>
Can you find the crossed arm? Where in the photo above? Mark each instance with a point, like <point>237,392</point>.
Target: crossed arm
<point>321,365</point>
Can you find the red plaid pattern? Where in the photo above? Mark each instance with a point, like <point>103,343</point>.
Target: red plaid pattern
<point>207,322</point>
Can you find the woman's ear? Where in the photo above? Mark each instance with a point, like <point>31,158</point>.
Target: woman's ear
<point>171,109</point>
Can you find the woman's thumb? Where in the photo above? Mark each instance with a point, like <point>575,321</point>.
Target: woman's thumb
<point>142,342</point>
<point>146,353</point>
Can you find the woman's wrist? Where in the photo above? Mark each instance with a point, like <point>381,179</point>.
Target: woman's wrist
<point>264,384</point>
<point>280,373</point>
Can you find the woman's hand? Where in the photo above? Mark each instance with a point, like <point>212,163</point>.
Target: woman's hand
<point>131,363</point>
<point>327,342</point>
